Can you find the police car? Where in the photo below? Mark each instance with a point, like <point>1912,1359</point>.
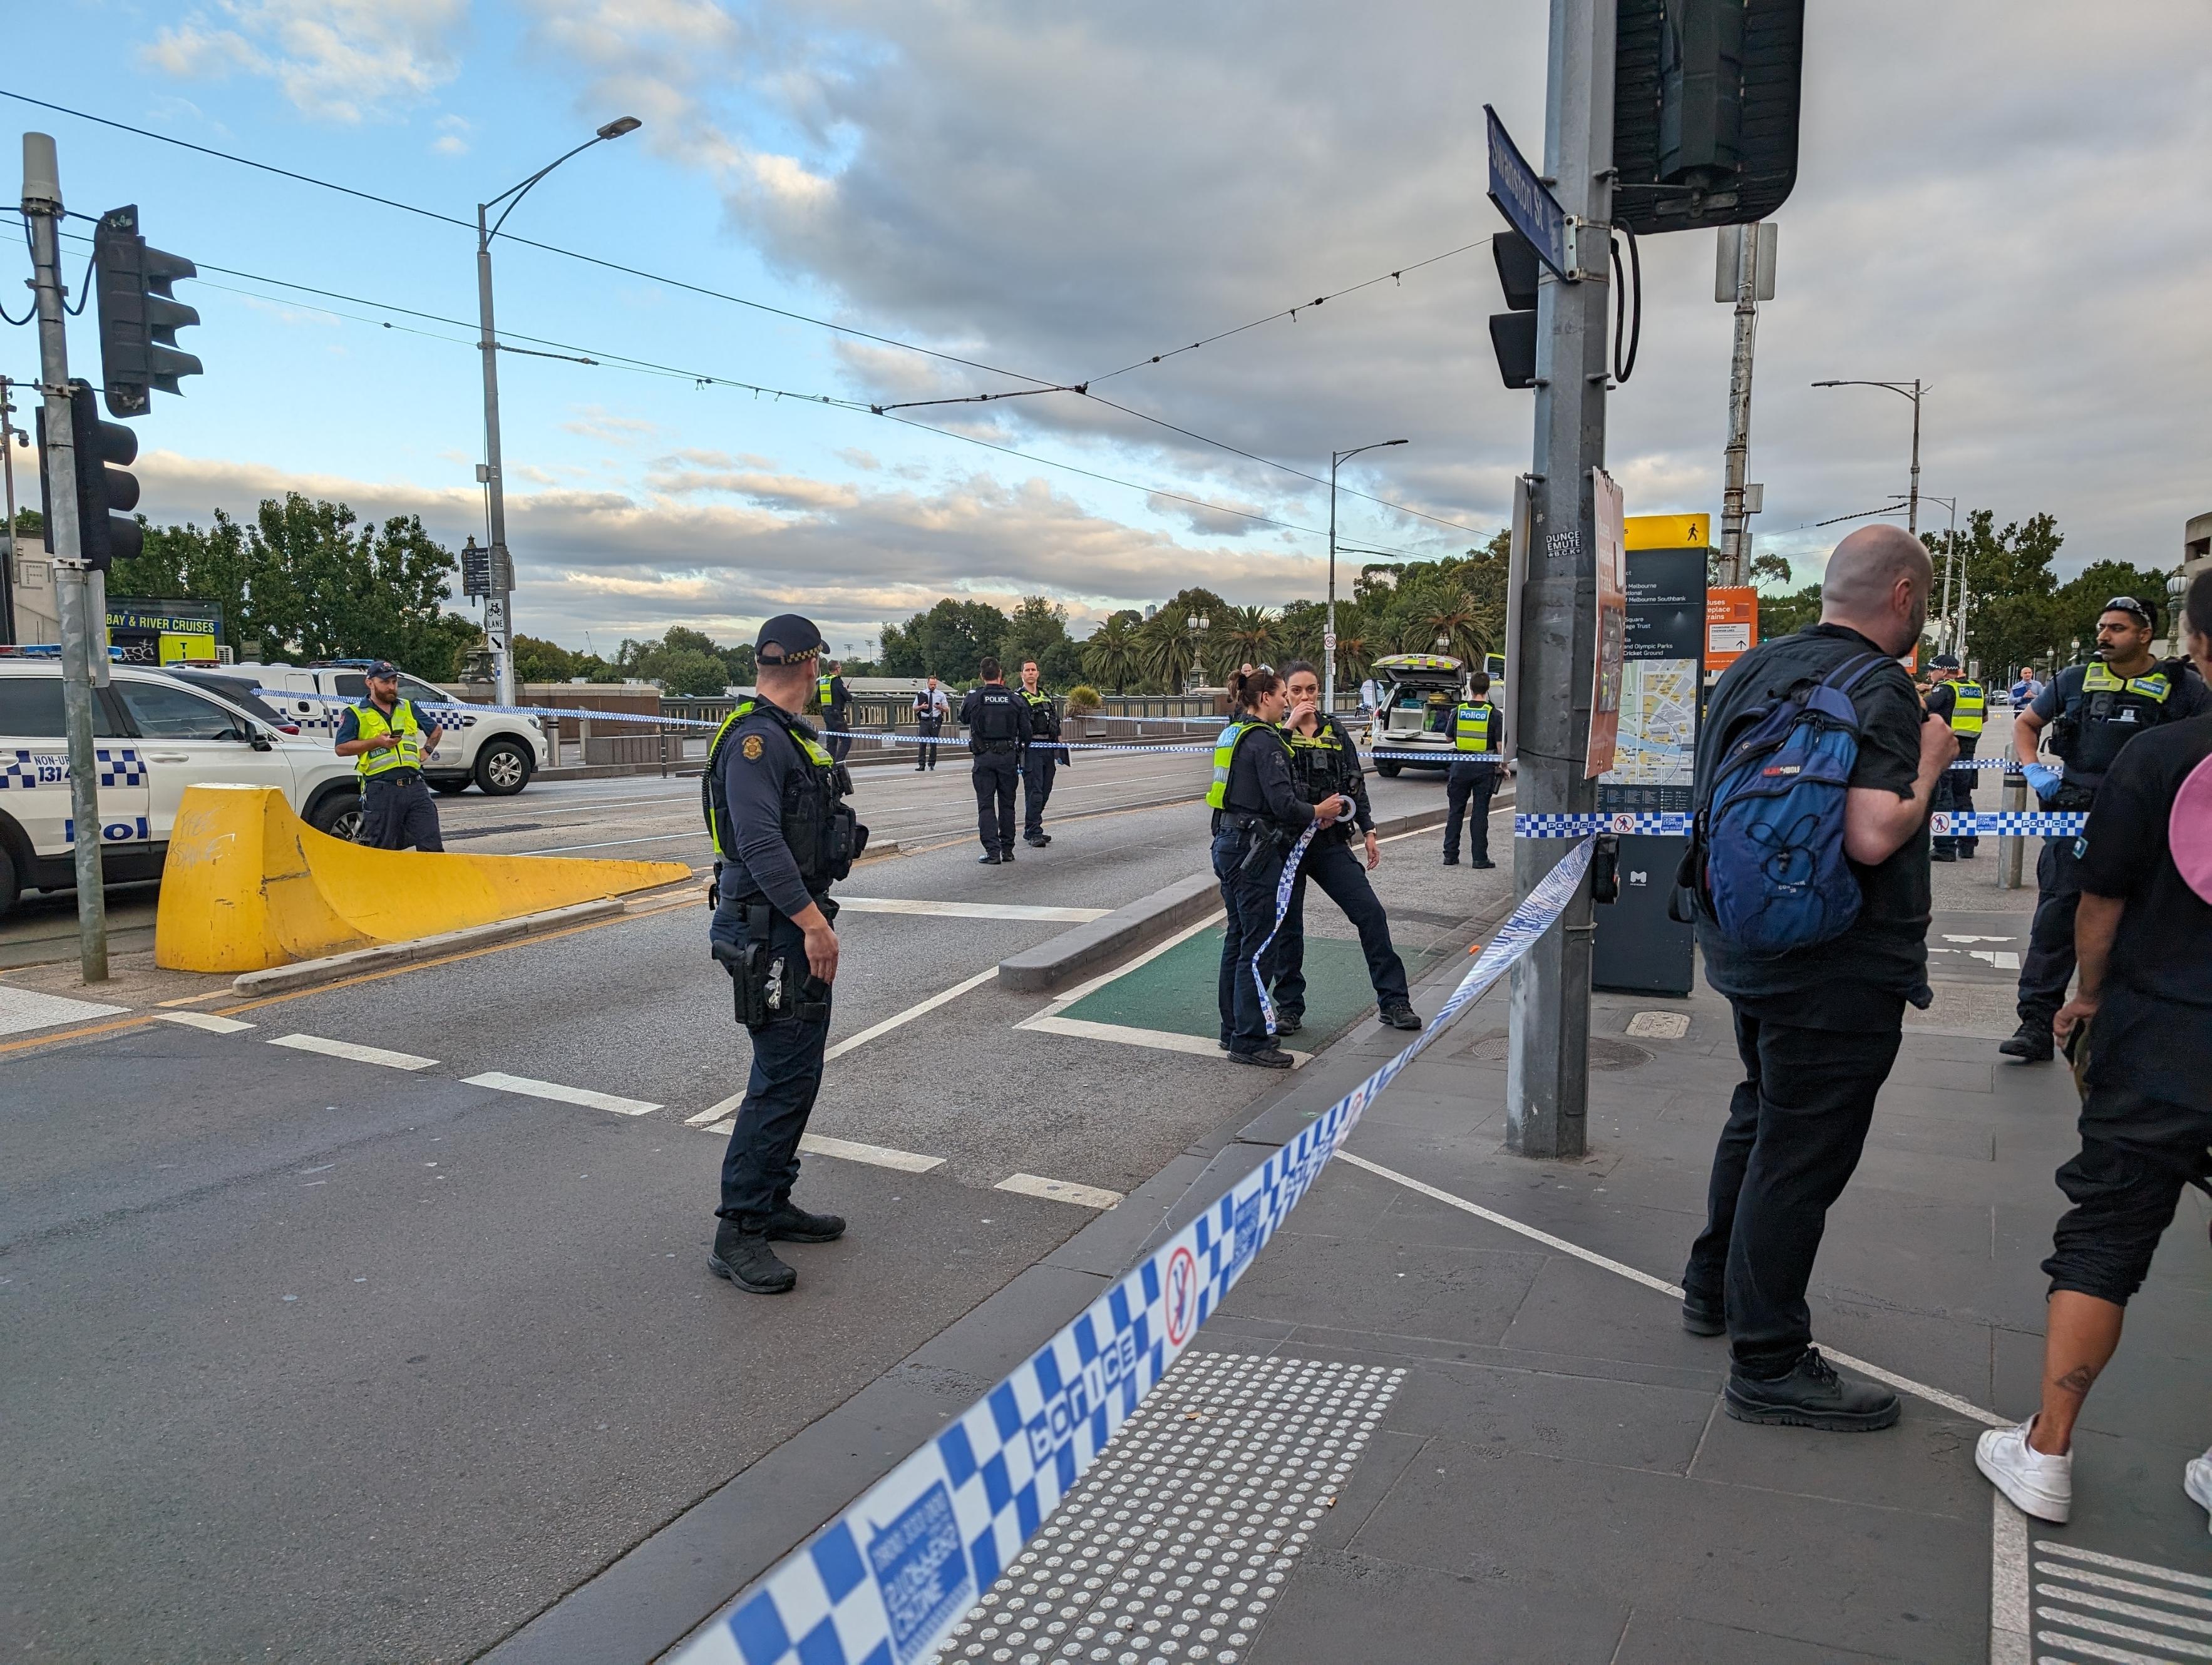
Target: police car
<point>497,752</point>
<point>153,736</point>
<point>1419,692</point>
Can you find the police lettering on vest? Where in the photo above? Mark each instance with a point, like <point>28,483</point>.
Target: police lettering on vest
<point>375,725</point>
<point>995,727</point>
<point>1475,727</point>
<point>1969,705</point>
<point>823,834</point>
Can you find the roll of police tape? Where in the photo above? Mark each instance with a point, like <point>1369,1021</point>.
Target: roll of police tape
<point>1943,823</point>
<point>885,1581</point>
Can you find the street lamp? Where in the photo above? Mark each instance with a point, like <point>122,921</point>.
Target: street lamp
<point>1910,390</point>
<point>1337,460</point>
<point>499,605</point>
<point>1198,624</point>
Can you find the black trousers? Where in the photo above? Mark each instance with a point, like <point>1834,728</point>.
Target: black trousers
<point>2048,966</point>
<point>924,755</point>
<point>397,815</point>
<point>2137,1154</point>
<point>840,718</point>
<point>1468,789</point>
<point>1038,767</point>
<point>1331,864</point>
<point>1956,792</point>
<point>761,1164</point>
<point>1796,1127</point>
<point>995,773</point>
<point>1248,895</point>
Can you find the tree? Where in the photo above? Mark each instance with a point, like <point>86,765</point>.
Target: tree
<point>1246,636</point>
<point>1111,656</point>
<point>1038,630</point>
<point>1168,651</point>
<point>538,660</point>
<point>2013,613</point>
<point>1769,569</point>
<point>689,671</point>
<point>945,642</point>
<point>1784,614</point>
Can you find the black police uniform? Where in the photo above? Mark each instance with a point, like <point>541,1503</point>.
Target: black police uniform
<point>998,724</point>
<point>1258,814</point>
<point>1040,760</point>
<point>1955,791</point>
<point>774,801</point>
<point>1470,785</point>
<point>2087,728</point>
<point>837,717</point>
<point>1324,764</point>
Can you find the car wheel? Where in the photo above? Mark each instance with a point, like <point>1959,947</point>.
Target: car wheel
<point>338,814</point>
<point>10,886</point>
<point>1387,768</point>
<point>450,788</point>
<point>503,769</point>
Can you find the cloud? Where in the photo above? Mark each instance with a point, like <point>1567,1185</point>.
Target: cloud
<point>335,60</point>
<point>453,136</point>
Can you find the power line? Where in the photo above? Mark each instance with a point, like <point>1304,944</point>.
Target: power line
<point>1039,384</point>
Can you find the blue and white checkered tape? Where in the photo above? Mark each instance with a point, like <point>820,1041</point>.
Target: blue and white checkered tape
<point>884,1583</point>
<point>1944,823</point>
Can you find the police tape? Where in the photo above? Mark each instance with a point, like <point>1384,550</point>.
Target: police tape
<point>884,1582</point>
<point>1285,884</point>
<point>1672,823</point>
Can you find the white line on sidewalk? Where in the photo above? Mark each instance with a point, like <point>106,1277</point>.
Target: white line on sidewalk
<point>2009,1578</point>
<point>1060,1190</point>
<point>206,1020</point>
<point>1160,1039</point>
<point>354,1050</point>
<point>500,1081</point>
<point>26,1009</point>
<point>876,1155</point>
<point>1000,910</point>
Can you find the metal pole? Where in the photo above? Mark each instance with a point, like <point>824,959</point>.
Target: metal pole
<point>499,613</point>
<point>1912,504</point>
<point>8,469</point>
<point>1548,1064</point>
<point>1328,666</point>
<point>42,207</point>
<point>1733,520</point>
<point>1959,561</point>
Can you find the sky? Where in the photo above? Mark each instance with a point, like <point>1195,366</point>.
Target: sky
<point>1993,196</point>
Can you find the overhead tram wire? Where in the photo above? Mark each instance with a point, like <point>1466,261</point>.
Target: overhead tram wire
<point>1039,385</point>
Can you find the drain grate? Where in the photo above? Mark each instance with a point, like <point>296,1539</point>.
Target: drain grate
<point>1178,1541</point>
<point>1604,1053</point>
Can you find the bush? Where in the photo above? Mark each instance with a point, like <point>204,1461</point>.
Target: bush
<point>1083,698</point>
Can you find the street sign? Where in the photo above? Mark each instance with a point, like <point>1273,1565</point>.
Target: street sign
<point>496,615</point>
<point>1668,532</point>
<point>1524,199</point>
<point>1611,605</point>
<point>1328,642</point>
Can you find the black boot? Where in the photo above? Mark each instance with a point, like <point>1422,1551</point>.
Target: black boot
<point>1269,1057</point>
<point>1400,1016</point>
<point>741,1253</point>
<point>1701,1317</point>
<point>1811,1396</point>
<point>2031,1043</point>
<point>1289,1022</point>
<point>791,1223</point>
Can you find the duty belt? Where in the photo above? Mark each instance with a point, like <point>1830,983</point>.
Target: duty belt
<point>398,777</point>
<point>981,747</point>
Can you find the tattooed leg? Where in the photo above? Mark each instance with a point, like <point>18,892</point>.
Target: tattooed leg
<point>2081,1335</point>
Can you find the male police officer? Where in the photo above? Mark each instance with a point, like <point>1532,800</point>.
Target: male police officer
<point>1962,702</point>
<point>998,726</point>
<point>1478,743</point>
<point>1041,760</point>
<point>782,835</point>
<point>387,738</point>
<point>836,703</point>
<point>2091,711</point>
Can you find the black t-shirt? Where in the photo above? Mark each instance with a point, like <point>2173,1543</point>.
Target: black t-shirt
<point>1865,977</point>
<point>2152,1032</point>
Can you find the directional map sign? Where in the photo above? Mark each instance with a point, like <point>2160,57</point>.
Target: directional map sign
<point>1523,198</point>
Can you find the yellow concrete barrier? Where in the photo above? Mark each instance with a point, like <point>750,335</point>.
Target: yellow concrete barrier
<point>248,884</point>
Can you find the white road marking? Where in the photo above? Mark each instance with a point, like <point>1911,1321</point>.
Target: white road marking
<point>1060,1190</point>
<point>1159,1040</point>
<point>1004,910</point>
<point>206,1020</point>
<point>500,1081</point>
<point>2009,1619</point>
<point>2121,1564</point>
<point>354,1050</point>
<point>715,1113</point>
<point>612,844</point>
<point>876,1155</point>
<point>906,1017</point>
<point>24,1009</point>
<point>2123,1586</point>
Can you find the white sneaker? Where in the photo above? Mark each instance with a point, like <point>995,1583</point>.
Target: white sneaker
<point>2040,1485</point>
<point>2196,1481</point>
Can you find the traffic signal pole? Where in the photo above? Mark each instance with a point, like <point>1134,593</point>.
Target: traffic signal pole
<point>500,604</point>
<point>73,577</point>
<point>1547,1063</point>
<point>1734,562</point>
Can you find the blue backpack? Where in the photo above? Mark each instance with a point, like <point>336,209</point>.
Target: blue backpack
<point>1771,831</point>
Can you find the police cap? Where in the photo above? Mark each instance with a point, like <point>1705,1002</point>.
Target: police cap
<point>382,670</point>
<point>1944,662</point>
<point>787,637</point>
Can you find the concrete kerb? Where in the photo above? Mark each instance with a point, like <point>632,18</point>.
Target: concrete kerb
<point>306,973</point>
<point>1131,929</point>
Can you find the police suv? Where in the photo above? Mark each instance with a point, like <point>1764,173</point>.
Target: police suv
<point>153,734</point>
<point>497,752</point>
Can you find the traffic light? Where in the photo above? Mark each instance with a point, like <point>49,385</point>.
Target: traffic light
<point>138,317</point>
<point>1513,332</point>
<point>105,496</point>
<point>1705,111</point>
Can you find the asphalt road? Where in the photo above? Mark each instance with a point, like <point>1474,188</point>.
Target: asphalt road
<point>315,1357</point>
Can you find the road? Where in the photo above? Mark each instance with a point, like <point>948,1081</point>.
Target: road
<point>375,1355</point>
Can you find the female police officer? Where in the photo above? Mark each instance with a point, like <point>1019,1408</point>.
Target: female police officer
<point>1325,764</point>
<point>1257,815</point>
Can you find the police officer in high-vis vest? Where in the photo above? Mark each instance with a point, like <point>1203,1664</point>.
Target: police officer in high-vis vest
<point>1478,747</point>
<point>782,835</point>
<point>836,703</point>
<point>1041,758</point>
<point>387,740</point>
<point>998,724</point>
<point>1964,703</point>
<point>2091,711</point>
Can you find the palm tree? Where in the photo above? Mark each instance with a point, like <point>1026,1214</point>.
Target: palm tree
<point>1110,657</point>
<point>1167,649</point>
<point>1460,627</point>
<point>1247,634</point>
<point>1355,655</point>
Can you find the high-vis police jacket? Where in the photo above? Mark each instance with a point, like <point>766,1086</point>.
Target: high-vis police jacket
<point>773,802</point>
<point>373,725</point>
<point>1474,728</point>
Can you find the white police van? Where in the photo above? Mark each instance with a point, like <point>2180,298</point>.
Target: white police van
<point>153,736</point>
<point>497,752</point>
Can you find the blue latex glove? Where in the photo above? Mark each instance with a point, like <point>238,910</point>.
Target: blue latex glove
<point>2043,778</point>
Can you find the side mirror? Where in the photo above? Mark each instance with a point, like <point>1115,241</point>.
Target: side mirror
<point>259,740</point>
